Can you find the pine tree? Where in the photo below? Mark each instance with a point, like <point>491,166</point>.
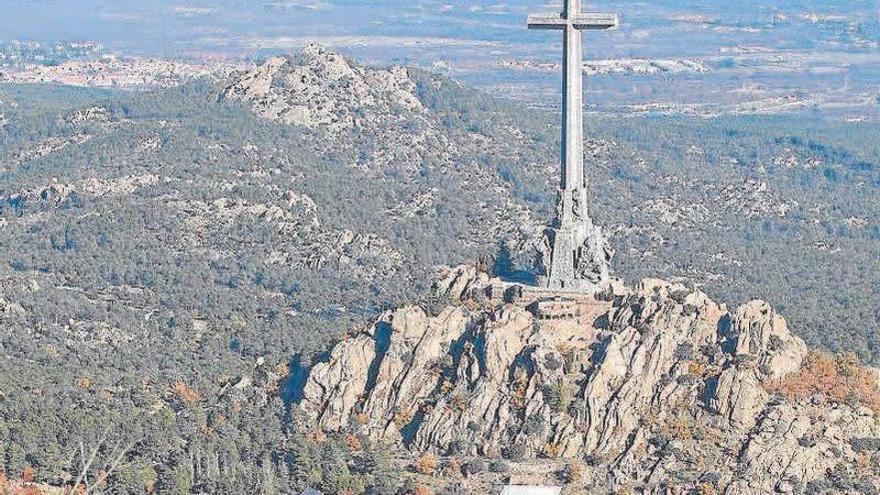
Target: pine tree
<point>378,460</point>
<point>306,468</point>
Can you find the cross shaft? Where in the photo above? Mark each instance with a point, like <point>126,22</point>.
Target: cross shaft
<point>572,21</point>
<point>574,221</point>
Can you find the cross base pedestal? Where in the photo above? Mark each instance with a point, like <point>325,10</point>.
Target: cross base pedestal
<point>568,247</point>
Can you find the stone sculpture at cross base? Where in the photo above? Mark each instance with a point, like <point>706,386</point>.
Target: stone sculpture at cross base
<point>576,253</point>
<point>595,262</point>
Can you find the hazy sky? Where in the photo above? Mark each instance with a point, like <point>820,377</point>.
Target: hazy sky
<point>183,26</point>
<point>808,49</point>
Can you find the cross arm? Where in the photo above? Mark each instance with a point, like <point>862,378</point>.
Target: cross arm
<point>594,21</point>
<point>547,21</point>
<point>578,21</point>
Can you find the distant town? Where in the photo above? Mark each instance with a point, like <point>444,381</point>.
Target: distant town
<point>85,64</point>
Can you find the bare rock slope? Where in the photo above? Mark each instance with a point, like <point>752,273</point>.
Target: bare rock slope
<point>325,90</point>
<point>665,390</point>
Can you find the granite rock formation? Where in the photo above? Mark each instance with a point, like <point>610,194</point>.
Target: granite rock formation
<point>665,388</point>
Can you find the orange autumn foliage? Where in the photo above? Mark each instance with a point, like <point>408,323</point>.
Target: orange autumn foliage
<point>453,468</point>
<point>352,442</point>
<point>27,474</point>
<point>839,378</point>
<point>427,464</point>
<point>422,490</point>
<point>551,450</point>
<point>706,489</point>
<point>402,418</point>
<point>186,393</point>
<point>574,471</point>
<point>282,370</point>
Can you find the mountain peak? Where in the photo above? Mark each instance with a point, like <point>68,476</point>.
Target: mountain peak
<point>323,89</point>
<point>327,63</point>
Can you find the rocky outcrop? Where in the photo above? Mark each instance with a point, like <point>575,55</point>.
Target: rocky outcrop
<point>324,90</point>
<point>460,283</point>
<point>739,397</point>
<point>667,388</point>
<point>794,446</point>
<point>762,335</point>
<point>334,388</point>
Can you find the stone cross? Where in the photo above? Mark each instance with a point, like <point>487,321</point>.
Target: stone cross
<point>569,241</point>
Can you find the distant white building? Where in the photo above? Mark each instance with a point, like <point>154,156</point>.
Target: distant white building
<point>531,490</point>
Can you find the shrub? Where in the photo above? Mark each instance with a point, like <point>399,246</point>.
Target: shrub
<point>186,393</point>
<point>456,447</point>
<point>711,478</point>
<point>518,396</point>
<point>551,450</point>
<point>534,425</point>
<point>475,466</point>
<point>352,442</point>
<point>697,369</point>
<point>552,363</point>
<point>865,444</point>
<point>446,387</point>
<point>453,468</point>
<point>27,474</point>
<point>422,490</point>
<point>574,471</point>
<point>361,419</point>
<point>427,464</point>
<point>684,352</point>
<point>810,441</point>
<point>459,403</point>
<point>560,393</point>
<point>706,489</point>
<point>402,418</point>
<point>516,453</point>
<point>498,466</point>
<point>681,426</point>
<point>282,369</point>
<point>839,378</point>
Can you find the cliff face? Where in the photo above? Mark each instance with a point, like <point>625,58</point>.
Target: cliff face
<point>662,388</point>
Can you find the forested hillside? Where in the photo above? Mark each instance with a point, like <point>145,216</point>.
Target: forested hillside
<point>170,260</point>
